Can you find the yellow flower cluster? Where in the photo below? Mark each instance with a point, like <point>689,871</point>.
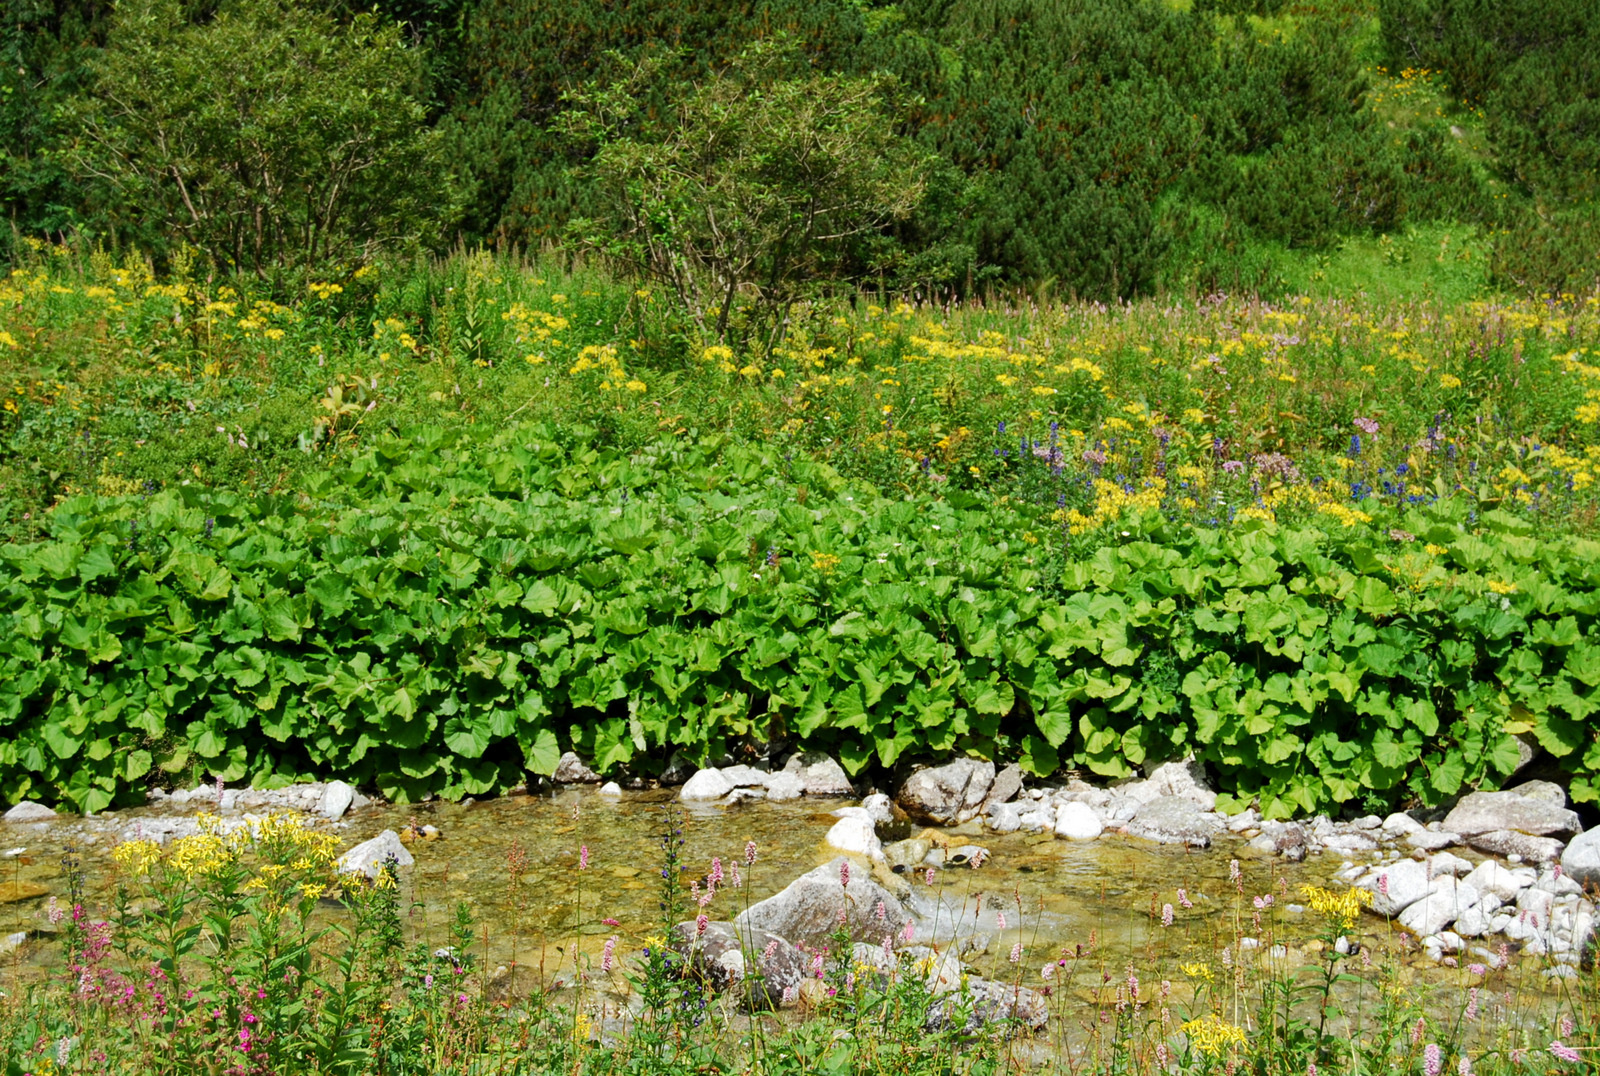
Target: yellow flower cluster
<point>1341,909</point>
<point>603,357</point>
<point>826,563</point>
<point>1211,1034</point>
<point>537,330</point>
<point>136,857</point>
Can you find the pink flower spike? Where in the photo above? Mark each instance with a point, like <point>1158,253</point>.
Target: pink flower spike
<point>609,923</point>
<point>844,873</point>
<point>583,858</point>
<point>1564,1053</point>
<point>749,853</point>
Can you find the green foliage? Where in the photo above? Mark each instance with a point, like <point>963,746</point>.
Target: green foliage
<point>45,50</point>
<point>440,616</point>
<point>750,189</point>
<point>1533,70</point>
<point>265,137</point>
<point>521,58</point>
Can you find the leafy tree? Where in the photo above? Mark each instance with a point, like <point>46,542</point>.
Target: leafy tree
<point>752,186</point>
<point>268,135</point>
<point>45,46</point>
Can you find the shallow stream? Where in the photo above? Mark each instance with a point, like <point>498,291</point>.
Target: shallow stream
<point>1103,899</point>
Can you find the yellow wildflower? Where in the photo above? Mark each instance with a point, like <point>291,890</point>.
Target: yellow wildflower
<point>824,562</point>
<point>1210,1034</point>
<point>136,857</point>
<point>1341,909</point>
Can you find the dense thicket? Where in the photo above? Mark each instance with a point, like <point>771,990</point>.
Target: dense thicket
<point>1097,147</point>
<point>1534,71</point>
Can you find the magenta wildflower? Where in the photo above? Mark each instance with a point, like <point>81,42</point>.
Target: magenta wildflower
<point>583,858</point>
<point>715,877</point>
<point>608,955</point>
<point>844,873</point>
<point>701,921</point>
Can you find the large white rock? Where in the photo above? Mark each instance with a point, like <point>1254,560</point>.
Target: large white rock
<point>1449,863</point>
<point>1396,886</point>
<point>745,776</point>
<point>879,808</point>
<point>948,794</point>
<point>1185,779</point>
<point>1175,820</point>
<point>1077,822</point>
<point>1514,842</point>
<point>1400,823</point>
<point>707,784</point>
<point>572,770</point>
<point>29,811</point>
<point>1491,877</point>
<point>820,774</point>
<point>1539,814</point>
<point>1443,905</point>
<point>1581,860</point>
<point>336,800</point>
<point>368,857</point>
<point>785,785</point>
<point>1431,840</point>
<point>807,911</point>
<point>1002,817</point>
<point>855,832</point>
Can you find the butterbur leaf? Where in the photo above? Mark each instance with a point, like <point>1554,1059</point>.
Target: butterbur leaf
<point>541,751</point>
<point>1039,756</point>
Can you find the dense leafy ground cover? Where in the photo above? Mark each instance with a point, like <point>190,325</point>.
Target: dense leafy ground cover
<point>1338,549</point>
